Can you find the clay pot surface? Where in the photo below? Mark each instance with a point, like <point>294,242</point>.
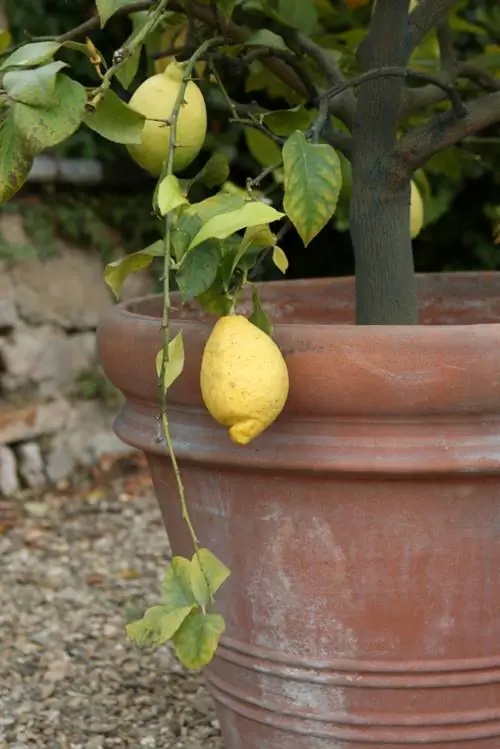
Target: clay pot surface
<point>362,529</point>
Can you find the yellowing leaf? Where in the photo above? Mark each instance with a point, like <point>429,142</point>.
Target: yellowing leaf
<point>222,226</point>
<point>313,178</point>
<point>31,54</point>
<point>174,363</point>
<point>116,272</point>
<point>196,641</point>
<point>115,120</point>
<point>207,576</point>
<point>34,87</point>
<point>158,625</point>
<point>176,586</point>
<point>280,259</point>
<point>170,195</point>
<point>15,161</point>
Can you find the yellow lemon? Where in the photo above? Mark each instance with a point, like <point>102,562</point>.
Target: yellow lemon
<point>155,99</point>
<point>416,211</point>
<point>244,378</point>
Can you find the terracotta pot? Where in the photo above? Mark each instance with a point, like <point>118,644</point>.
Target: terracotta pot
<point>362,530</point>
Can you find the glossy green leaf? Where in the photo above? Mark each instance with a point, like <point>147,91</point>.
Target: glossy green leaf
<point>284,122</point>
<point>254,241</point>
<point>176,587</point>
<point>175,361</point>
<point>31,54</point>
<point>199,269</point>
<point>223,202</point>
<point>313,178</point>
<point>127,72</point>
<point>15,160</point>
<point>207,575</point>
<point>252,213</point>
<point>35,87</point>
<point>158,625</point>
<point>5,40</point>
<point>266,38</point>
<point>263,149</point>
<point>197,639</point>
<point>259,316</point>
<point>115,120</point>
<point>44,127</point>
<point>215,172</point>
<point>185,229</point>
<point>215,300</point>
<point>299,14</point>
<point>280,259</point>
<point>116,272</point>
<point>107,8</point>
<point>170,195</point>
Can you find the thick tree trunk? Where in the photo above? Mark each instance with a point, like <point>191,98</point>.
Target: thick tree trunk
<point>380,208</point>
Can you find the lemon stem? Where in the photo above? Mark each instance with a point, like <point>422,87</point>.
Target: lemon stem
<point>168,169</point>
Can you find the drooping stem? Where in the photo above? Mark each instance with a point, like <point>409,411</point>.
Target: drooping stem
<point>380,206</point>
<point>168,169</point>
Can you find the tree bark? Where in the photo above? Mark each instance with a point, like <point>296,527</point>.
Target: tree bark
<point>380,206</point>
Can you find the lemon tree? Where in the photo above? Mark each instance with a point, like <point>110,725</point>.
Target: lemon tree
<point>361,113</point>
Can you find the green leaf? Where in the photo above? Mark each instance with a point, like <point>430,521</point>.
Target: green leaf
<point>15,161</point>
<point>252,213</point>
<point>263,149</point>
<point>313,178</point>
<point>170,195</point>
<point>31,54</point>
<point>176,587</point>
<point>127,72</point>
<point>199,269</point>
<point>255,240</point>
<point>158,625</point>
<point>5,40</point>
<point>116,272</point>
<point>298,14</point>
<point>259,317</point>
<point>115,120</point>
<point>207,576</point>
<point>215,300</point>
<point>221,203</point>
<point>107,8</point>
<point>197,639</point>
<point>34,87</point>
<point>284,122</point>
<point>226,7</point>
<point>184,232</point>
<point>44,127</point>
<point>280,259</point>
<point>174,363</point>
<point>215,172</point>
<point>266,38</point>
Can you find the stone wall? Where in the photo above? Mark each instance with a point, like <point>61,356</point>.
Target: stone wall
<point>48,316</point>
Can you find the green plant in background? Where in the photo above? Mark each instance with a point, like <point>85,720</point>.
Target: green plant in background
<point>344,109</point>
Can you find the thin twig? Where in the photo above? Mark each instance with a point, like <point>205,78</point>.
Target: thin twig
<point>397,72</point>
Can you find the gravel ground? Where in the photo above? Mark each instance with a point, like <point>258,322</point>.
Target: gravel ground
<point>76,566</point>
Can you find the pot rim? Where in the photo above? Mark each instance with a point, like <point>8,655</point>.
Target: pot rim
<point>343,284</point>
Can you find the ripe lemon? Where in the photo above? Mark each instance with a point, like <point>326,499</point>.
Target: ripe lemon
<point>155,99</point>
<point>244,378</point>
<point>416,211</point>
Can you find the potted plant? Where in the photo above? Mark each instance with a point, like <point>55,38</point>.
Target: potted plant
<point>341,562</point>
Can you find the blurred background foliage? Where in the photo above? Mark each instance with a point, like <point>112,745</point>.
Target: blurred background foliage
<point>461,185</point>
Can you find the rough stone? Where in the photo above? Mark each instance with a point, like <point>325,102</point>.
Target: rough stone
<point>21,424</point>
<point>31,465</point>
<point>8,311</point>
<point>67,290</point>
<point>88,437</point>
<point>9,482</point>
<point>45,356</point>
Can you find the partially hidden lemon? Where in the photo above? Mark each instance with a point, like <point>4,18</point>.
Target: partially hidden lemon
<point>416,211</point>
<point>155,99</point>
<point>244,378</point>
